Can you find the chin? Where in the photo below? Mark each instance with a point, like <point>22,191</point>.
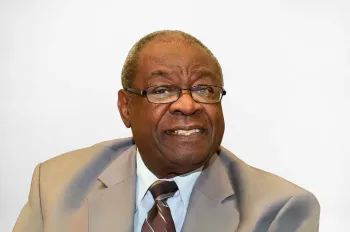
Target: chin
<point>187,158</point>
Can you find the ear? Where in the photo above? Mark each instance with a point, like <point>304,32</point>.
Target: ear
<point>123,107</point>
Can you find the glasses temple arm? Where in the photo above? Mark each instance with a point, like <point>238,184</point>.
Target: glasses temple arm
<point>136,91</point>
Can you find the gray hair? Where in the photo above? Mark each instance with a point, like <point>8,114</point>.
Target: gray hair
<point>131,61</point>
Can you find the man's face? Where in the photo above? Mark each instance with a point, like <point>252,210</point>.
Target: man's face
<point>153,125</point>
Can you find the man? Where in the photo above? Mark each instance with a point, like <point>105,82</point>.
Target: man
<point>172,175</point>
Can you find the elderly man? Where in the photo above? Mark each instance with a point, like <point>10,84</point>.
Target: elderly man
<point>172,175</point>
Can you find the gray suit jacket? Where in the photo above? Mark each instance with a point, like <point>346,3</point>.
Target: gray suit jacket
<point>93,190</point>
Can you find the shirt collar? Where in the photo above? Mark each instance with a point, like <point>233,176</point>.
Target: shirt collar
<point>145,178</point>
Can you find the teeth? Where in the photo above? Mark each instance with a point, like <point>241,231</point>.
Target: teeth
<point>186,132</point>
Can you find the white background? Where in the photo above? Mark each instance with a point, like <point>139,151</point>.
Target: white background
<point>286,66</point>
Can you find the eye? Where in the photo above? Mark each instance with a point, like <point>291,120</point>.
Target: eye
<point>160,90</point>
<point>206,90</point>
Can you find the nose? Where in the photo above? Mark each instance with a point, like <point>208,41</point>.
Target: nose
<point>185,105</point>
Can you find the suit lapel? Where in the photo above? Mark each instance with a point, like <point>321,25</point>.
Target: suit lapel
<point>112,208</point>
<point>247,190</point>
<point>212,204</point>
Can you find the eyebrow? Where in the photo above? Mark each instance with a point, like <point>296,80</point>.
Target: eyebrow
<point>205,73</point>
<point>159,73</point>
<point>199,74</point>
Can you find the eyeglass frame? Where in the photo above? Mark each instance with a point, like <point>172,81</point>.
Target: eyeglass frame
<point>144,92</point>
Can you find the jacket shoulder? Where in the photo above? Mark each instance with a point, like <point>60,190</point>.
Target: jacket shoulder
<point>74,159</point>
<point>70,176</point>
<point>262,184</point>
<point>68,167</point>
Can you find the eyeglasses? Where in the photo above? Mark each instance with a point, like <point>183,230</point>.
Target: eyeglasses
<point>160,94</point>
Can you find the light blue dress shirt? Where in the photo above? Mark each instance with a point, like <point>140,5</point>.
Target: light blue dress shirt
<point>178,203</point>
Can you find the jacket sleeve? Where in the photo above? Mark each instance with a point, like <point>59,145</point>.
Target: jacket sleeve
<point>299,214</point>
<point>30,218</point>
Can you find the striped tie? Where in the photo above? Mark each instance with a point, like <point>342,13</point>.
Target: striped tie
<point>159,218</point>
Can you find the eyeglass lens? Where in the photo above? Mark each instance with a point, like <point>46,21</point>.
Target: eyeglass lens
<point>170,93</point>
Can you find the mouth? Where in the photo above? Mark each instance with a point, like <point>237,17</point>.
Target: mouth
<point>185,131</point>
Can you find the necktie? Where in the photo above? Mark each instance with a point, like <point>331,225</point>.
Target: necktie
<point>159,218</point>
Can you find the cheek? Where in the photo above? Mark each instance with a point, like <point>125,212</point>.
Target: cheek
<point>216,117</point>
<point>214,111</point>
<point>145,117</point>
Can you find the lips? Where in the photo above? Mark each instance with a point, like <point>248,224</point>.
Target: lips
<point>186,131</point>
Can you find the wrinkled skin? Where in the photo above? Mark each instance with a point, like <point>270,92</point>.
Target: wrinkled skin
<point>179,63</point>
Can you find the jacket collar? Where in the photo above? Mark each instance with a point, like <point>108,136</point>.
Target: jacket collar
<point>112,208</point>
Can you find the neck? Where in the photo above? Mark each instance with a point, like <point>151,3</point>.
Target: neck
<point>163,169</point>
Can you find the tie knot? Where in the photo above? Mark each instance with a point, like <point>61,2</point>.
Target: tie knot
<point>162,189</point>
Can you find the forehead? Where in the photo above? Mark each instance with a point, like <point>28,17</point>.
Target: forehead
<point>176,56</point>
